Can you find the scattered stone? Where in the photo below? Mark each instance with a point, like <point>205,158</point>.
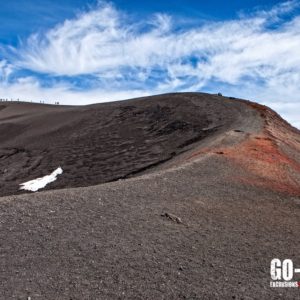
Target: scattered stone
<point>219,152</point>
<point>172,217</point>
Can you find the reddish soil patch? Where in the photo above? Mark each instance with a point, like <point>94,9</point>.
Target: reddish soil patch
<point>271,168</point>
<point>262,157</point>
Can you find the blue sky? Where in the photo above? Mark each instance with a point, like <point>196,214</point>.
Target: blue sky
<point>20,18</point>
<point>79,52</point>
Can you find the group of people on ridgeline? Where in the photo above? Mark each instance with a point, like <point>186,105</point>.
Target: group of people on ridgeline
<point>18,100</point>
<point>5,100</point>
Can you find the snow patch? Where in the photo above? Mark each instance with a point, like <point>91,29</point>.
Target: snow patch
<point>39,183</point>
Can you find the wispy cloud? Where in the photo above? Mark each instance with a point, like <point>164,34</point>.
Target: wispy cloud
<point>254,56</point>
<point>6,70</point>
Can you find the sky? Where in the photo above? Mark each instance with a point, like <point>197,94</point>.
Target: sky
<point>81,52</point>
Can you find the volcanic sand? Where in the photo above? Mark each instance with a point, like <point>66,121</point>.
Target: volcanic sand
<point>177,196</point>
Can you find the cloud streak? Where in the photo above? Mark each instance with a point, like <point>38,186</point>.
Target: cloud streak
<point>254,56</point>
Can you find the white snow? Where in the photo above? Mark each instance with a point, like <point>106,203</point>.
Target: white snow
<point>39,183</point>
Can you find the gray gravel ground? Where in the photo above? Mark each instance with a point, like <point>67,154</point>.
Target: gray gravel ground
<point>111,242</point>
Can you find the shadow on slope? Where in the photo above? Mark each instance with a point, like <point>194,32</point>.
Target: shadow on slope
<point>104,142</point>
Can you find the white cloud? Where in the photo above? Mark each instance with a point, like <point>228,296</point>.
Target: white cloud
<point>30,89</point>
<point>254,56</point>
<point>5,70</point>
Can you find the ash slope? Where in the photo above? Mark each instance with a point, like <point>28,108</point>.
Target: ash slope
<point>236,191</point>
<point>106,142</point>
